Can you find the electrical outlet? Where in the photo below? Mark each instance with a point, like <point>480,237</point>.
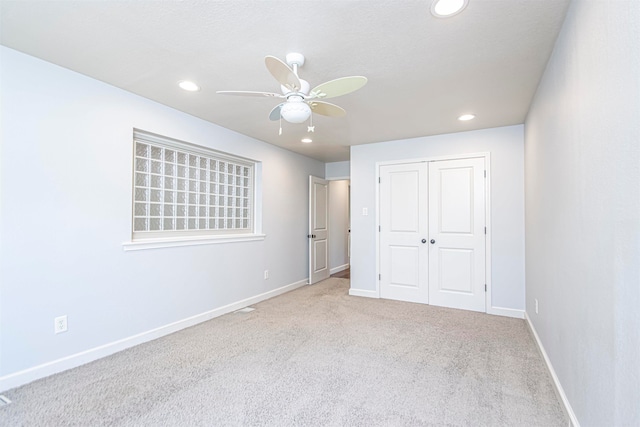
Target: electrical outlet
<point>60,324</point>
<point>266,274</point>
<point>536,305</point>
<point>365,211</point>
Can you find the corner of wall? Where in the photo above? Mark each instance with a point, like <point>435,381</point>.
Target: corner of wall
<point>566,406</point>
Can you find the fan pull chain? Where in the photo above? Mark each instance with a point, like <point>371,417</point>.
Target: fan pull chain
<point>280,132</point>
<point>311,128</point>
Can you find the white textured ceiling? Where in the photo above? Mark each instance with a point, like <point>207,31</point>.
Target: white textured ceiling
<point>423,71</point>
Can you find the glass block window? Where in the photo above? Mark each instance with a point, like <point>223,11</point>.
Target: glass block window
<point>180,189</point>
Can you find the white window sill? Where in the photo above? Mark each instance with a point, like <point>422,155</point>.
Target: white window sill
<point>189,241</point>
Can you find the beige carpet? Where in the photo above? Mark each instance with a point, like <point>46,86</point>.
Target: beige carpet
<point>314,356</point>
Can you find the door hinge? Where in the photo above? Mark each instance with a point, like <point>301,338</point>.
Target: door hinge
<point>485,230</point>
<point>485,173</point>
<point>379,276</point>
<point>379,180</point>
<point>379,228</point>
<point>485,287</point>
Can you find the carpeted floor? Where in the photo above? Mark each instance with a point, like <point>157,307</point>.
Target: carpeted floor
<point>344,274</point>
<point>314,356</point>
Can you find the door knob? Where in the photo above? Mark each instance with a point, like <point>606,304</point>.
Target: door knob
<point>432,241</point>
<point>424,240</point>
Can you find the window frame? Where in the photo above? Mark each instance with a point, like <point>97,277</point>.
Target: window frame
<point>184,237</point>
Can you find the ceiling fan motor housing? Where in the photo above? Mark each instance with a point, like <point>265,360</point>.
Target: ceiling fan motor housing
<point>305,87</point>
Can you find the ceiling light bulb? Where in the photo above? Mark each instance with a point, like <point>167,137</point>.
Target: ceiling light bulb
<point>295,110</point>
<point>447,8</point>
<point>466,117</point>
<point>189,86</point>
<point>306,140</point>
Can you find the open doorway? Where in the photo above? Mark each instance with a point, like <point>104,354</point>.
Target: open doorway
<point>339,220</point>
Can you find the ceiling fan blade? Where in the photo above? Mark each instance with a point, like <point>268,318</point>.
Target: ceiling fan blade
<point>249,93</point>
<point>338,87</point>
<point>275,113</point>
<point>327,109</point>
<point>282,73</point>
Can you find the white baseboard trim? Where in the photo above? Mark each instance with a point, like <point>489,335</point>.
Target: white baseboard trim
<point>31,374</point>
<point>363,293</point>
<point>556,381</point>
<point>507,312</point>
<point>338,269</point>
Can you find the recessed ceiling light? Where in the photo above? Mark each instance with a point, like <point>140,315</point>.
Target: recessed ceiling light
<point>466,117</point>
<point>447,8</point>
<point>306,140</point>
<point>187,85</point>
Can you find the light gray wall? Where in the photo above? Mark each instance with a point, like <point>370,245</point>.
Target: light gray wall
<point>338,223</point>
<point>506,146</point>
<point>337,170</point>
<point>66,174</point>
<point>582,155</point>
<point>338,212</point>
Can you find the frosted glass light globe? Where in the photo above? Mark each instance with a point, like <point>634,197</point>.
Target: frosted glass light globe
<point>295,111</point>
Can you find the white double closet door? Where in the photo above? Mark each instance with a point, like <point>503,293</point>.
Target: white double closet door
<point>432,233</point>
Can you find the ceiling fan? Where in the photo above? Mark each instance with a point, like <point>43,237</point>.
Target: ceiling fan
<point>300,100</point>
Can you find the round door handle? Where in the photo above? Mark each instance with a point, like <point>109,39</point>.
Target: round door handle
<point>424,240</point>
<point>432,241</point>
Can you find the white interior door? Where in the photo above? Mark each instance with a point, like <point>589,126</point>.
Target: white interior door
<point>318,229</point>
<point>457,234</point>
<point>403,227</point>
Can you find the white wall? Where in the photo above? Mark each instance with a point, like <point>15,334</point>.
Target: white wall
<point>583,211</point>
<point>506,146</point>
<point>65,210</point>
<point>338,225</point>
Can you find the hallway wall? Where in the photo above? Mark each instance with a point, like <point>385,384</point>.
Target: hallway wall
<point>338,225</point>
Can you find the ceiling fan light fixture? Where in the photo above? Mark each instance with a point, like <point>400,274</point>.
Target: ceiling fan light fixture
<point>188,86</point>
<point>295,110</point>
<point>447,8</point>
<point>466,117</point>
